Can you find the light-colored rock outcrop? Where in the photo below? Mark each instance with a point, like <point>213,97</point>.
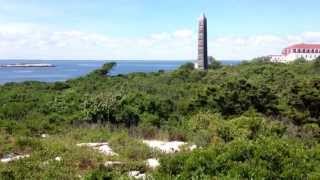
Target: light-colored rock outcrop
<point>44,135</point>
<point>11,158</point>
<point>103,148</point>
<point>112,163</point>
<point>153,163</point>
<point>58,159</point>
<point>137,175</point>
<point>167,146</point>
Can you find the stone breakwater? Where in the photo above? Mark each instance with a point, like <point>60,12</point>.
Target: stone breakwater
<point>26,65</point>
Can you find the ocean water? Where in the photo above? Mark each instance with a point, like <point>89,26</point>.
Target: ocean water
<point>68,69</point>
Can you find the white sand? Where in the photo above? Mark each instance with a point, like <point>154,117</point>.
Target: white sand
<point>103,148</point>
<point>153,163</point>
<point>167,147</point>
<point>14,158</point>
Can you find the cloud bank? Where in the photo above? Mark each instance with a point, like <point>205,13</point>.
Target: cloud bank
<point>25,41</point>
<point>233,47</point>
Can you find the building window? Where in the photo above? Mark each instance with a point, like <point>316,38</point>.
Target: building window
<point>303,51</point>
<point>312,51</point>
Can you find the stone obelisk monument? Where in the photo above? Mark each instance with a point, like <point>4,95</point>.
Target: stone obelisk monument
<point>202,62</point>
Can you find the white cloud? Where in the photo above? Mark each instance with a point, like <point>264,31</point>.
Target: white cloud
<point>232,47</point>
<point>22,41</point>
<point>184,33</point>
<point>36,42</point>
<point>161,36</point>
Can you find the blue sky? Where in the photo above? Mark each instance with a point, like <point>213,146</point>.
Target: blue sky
<point>149,29</point>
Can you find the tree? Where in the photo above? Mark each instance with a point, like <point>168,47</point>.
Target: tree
<point>300,60</point>
<point>213,63</point>
<point>263,59</point>
<point>238,96</point>
<point>105,69</point>
<point>305,100</point>
<point>101,108</point>
<point>187,66</point>
<point>316,62</point>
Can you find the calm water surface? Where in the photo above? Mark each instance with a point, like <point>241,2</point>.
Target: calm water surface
<point>71,69</point>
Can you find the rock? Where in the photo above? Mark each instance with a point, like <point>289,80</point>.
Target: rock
<point>193,147</point>
<point>58,159</point>
<point>167,147</point>
<point>44,135</point>
<point>92,144</point>
<point>111,163</point>
<point>11,158</point>
<point>136,175</point>
<point>46,163</point>
<point>153,163</point>
<point>103,148</point>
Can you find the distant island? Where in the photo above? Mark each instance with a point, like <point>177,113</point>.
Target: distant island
<point>26,65</point>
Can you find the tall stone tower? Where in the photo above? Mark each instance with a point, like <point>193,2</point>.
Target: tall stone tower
<point>202,62</point>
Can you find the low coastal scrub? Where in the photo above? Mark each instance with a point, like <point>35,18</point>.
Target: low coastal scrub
<point>245,159</point>
<point>255,120</point>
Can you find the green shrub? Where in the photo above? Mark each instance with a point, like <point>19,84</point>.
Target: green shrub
<point>105,69</point>
<point>101,108</point>
<point>214,64</point>
<point>304,100</point>
<point>238,96</point>
<point>129,148</point>
<point>265,158</point>
<point>59,86</point>
<point>300,61</point>
<point>102,174</point>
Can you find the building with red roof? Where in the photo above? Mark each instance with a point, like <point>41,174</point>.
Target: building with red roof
<point>291,53</point>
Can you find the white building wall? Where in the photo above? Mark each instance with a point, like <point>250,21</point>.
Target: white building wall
<point>307,56</point>
<point>293,56</point>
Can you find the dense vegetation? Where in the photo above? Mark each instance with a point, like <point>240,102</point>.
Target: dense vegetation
<point>256,120</point>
